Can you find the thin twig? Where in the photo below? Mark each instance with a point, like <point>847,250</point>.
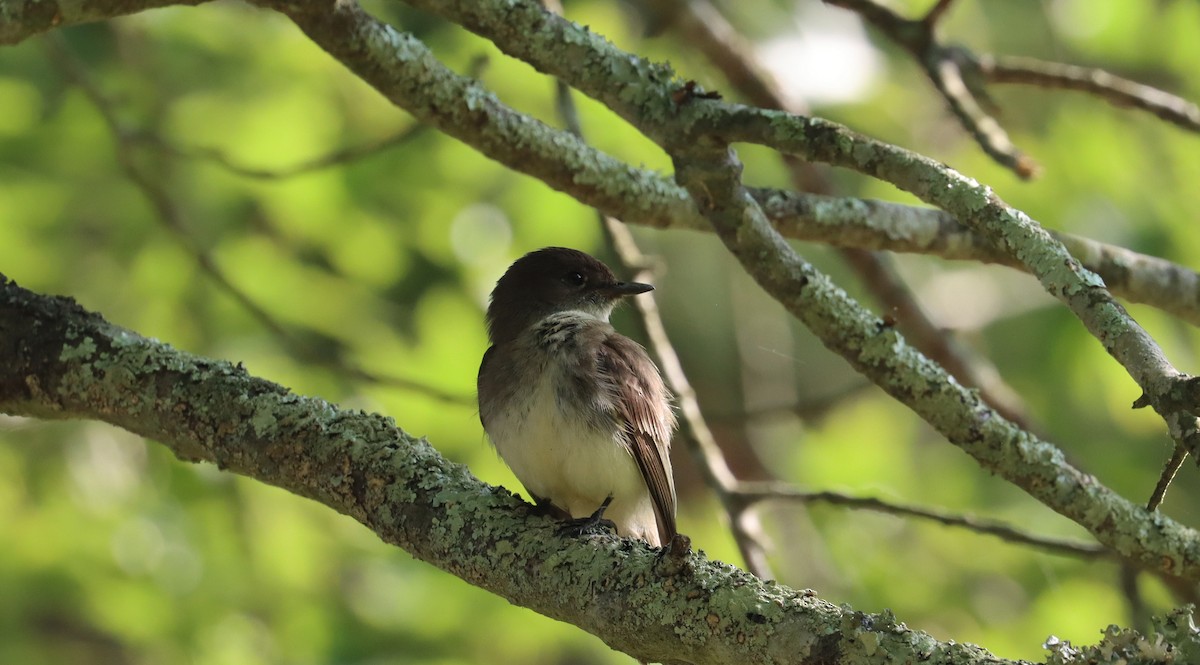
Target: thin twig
<point>948,78</point>
<point>1168,474</point>
<point>944,67</point>
<point>1097,82</point>
<point>751,492</point>
<point>959,75</point>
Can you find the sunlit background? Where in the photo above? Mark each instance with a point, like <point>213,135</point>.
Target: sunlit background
<point>375,271</point>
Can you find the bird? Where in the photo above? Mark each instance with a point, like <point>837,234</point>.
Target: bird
<point>577,410</point>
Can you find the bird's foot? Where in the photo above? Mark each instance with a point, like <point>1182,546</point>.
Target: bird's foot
<point>591,525</point>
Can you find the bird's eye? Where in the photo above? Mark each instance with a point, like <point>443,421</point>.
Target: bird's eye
<point>574,279</point>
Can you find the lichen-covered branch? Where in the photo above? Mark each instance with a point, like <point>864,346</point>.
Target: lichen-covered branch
<point>979,207</point>
<point>712,173</point>
<point>60,361</point>
<point>869,224</point>
<point>22,19</point>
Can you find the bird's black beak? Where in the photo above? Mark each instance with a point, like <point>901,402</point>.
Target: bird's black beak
<point>621,289</point>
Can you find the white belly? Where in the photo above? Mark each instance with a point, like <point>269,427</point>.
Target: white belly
<point>572,465</point>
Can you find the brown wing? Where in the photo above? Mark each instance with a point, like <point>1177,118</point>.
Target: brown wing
<point>641,402</point>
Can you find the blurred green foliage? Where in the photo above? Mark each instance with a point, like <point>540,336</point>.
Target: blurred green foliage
<point>114,552</point>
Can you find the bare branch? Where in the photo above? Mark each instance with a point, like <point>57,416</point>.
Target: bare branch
<point>898,228</point>
<point>1024,239</point>
<point>943,66</point>
<point>756,492</point>
<point>953,69</point>
<point>948,78</point>
<point>1168,474</point>
<point>1097,82</point>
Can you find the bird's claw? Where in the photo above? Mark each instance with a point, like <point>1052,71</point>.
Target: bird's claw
<point>591,525</point>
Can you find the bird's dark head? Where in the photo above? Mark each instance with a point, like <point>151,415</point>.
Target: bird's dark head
<point>550,280</point>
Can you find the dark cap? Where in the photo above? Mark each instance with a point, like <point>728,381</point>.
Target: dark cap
<point>549,280</point>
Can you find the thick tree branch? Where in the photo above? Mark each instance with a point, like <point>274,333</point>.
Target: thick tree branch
<point>59,361</point>
<point>22,19</point>
<point>900,228</point>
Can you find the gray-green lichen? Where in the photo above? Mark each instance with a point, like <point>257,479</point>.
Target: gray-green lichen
<point>1174,640</point>
<point>85,348</point>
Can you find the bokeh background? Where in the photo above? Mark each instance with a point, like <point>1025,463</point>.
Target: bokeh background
<point>339,281</point>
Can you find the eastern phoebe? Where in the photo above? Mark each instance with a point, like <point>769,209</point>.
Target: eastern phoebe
<point>577,410</point>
